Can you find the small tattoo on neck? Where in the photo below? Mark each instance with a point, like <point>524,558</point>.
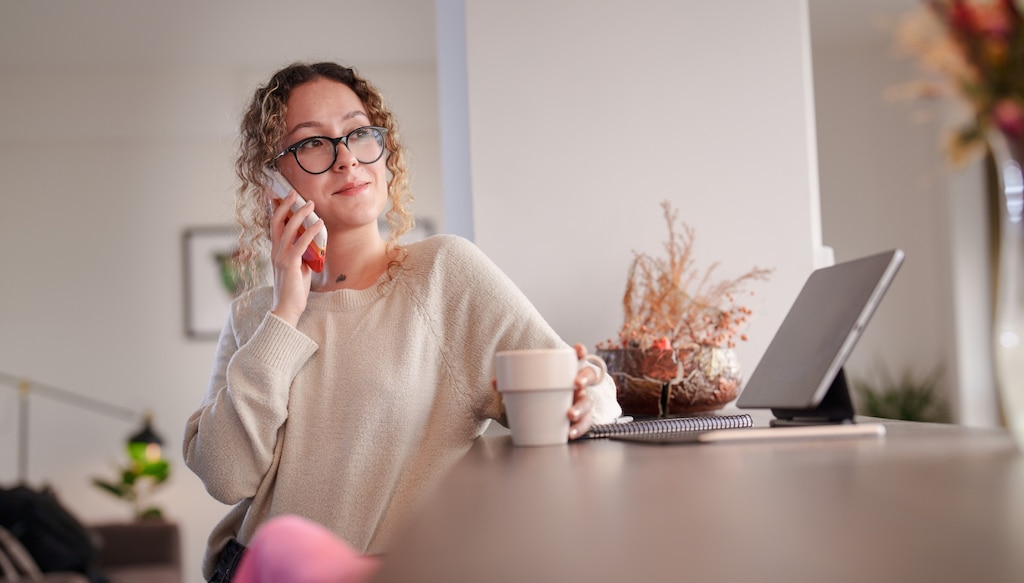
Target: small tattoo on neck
<point>341,278</point>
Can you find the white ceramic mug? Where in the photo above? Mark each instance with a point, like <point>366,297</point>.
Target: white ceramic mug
<point>536,387</point>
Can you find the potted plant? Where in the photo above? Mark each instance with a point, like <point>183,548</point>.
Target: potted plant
<point>145,471</point>
<point>910,397</point>
<point>675,350</point>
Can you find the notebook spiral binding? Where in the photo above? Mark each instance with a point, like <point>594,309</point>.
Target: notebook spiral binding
<point>671,425</point>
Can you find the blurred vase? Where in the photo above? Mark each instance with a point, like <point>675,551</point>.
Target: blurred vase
<point>1008,340</point>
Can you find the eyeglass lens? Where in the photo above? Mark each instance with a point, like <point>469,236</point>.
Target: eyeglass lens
<point>317,154</point>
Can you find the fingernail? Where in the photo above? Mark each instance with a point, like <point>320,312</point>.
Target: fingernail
<point>573,433</point>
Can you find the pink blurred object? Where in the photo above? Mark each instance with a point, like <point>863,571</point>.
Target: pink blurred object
<point>297,550</point>
<point>1009,118</point>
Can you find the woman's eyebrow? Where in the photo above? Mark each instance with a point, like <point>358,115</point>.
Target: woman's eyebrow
<point>355,113</point>
<point>316,124</point>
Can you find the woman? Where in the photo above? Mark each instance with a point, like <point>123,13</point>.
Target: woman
<point>343,395</point>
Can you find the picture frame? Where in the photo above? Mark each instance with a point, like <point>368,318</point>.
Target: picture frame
<point>206,295</point>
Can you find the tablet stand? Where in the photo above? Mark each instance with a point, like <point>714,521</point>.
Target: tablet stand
<point>835,408</point>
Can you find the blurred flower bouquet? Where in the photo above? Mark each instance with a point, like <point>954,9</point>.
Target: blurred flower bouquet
<point>978,46</point>
<point>976,49</point>
<point>674,353</point>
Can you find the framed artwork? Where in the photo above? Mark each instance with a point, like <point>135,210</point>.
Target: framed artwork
<point>209,279</point>
<point>210,275</point>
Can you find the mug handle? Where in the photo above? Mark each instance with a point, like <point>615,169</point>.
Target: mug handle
<point>599,363</point>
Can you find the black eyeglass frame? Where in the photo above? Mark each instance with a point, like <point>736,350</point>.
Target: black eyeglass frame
<point>293,149</point>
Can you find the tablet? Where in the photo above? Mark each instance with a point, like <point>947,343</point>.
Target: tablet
<point>805,357</point>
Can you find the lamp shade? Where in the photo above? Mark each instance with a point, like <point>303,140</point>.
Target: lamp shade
<point>146,435</point>
<point>144,446</point>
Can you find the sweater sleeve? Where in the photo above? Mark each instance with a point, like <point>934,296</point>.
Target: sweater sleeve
<point>606,404</point>
<point>488,313</point>
<point>230,440</point>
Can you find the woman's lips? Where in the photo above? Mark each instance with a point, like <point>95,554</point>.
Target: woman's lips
<point>352,188</point>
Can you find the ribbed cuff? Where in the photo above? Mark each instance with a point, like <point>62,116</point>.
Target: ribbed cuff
<point>280,346</point>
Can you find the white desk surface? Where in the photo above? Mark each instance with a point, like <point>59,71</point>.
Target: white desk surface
<point>925,503</point>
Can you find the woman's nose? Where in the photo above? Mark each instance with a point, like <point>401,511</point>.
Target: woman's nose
<point>345,158</point>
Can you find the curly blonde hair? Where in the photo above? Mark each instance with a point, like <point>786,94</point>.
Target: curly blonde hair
<point>263,125</point>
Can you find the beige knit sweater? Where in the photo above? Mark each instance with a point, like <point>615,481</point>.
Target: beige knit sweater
<point>352,417</point>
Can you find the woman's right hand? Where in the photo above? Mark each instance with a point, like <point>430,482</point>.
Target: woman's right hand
<point>292,277</point>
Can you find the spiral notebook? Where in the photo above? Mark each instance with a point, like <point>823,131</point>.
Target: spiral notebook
<point>671,425</point>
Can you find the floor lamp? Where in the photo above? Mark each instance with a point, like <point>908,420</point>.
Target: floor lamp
<point>145,442</point>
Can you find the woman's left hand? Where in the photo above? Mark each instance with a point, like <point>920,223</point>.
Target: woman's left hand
<point>581,413</point>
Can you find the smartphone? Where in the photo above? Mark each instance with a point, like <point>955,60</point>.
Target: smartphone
<point>317,251</point>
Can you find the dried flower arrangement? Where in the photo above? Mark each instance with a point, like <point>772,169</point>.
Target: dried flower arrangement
<point>674,352</point>
<point>669,303</point>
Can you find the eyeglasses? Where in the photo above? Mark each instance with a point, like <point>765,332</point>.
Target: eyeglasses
<point>318,154</point>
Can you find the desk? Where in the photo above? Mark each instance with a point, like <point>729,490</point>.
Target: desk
<point>926,503</point>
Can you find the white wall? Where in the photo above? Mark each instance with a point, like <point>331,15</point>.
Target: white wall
<point>715,100</point>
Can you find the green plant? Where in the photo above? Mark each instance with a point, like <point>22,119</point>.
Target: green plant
<point>910,398</point>
<point>145,471</point>
<point>233,274</point>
